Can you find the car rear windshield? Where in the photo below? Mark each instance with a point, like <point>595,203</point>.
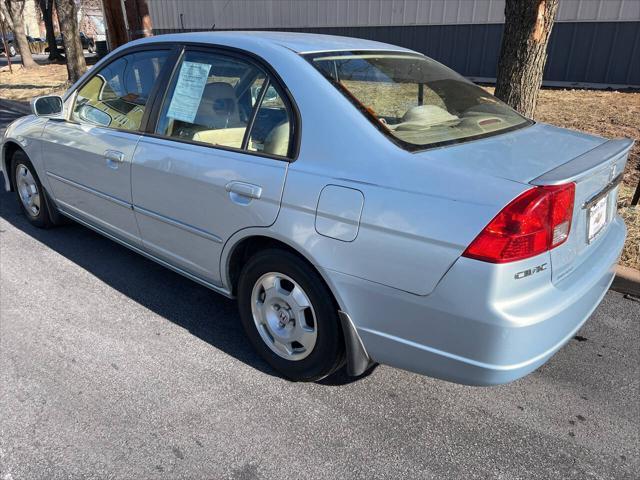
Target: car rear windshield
<point>418,102</point>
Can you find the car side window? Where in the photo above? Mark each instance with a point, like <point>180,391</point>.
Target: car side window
<point>272,126</point>
<point>117,95</point>
<point>213,99</point>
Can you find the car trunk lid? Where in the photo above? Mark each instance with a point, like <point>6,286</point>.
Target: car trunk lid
<point>542,154</point>
<point>521,155</point>
<point>596,174</point>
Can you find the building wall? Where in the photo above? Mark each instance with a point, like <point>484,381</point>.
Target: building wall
<point>250,14</point>
<point>593,41</point>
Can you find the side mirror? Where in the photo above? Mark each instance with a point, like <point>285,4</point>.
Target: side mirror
<point>47,106</point>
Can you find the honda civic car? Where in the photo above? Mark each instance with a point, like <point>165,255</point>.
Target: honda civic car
<point>364,203</point>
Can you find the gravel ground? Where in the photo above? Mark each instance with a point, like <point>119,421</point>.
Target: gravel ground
<point>114,367</point>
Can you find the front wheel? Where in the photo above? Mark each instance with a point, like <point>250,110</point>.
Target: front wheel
<point>32,197</point>
<point>289,316</point>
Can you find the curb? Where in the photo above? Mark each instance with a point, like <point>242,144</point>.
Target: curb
<point>627,280</point>
<point>15,106</point>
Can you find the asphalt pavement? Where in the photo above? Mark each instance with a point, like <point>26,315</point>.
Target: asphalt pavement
<point>113,367</point>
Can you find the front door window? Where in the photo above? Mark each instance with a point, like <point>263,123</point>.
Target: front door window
<point>116,97</point>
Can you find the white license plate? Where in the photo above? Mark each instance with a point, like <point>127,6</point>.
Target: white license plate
<point>597,217</point>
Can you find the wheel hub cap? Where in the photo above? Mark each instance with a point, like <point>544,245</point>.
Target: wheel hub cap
<point>283,316</point>
<point>28,190</point>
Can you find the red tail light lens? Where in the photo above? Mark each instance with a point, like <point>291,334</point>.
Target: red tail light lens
<point>536,221</point>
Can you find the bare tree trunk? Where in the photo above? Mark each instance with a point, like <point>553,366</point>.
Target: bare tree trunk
<point>76,64</point>
<point>527,29</point>
<point>3,34</point>
<point>13,12</point>
<point>114,19</point>
<point>139,19</point>
<point>46,7</point>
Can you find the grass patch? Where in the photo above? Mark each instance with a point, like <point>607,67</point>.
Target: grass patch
<point>22,85</point>
<point>612,115</point>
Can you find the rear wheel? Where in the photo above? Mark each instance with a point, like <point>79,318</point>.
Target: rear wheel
<point>12,51</point>
<point>32,197</point>
<point>289,316</point>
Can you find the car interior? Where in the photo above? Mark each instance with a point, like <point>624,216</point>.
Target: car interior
<point>117,96</point>
<point>416,100</point>
<point>225,110</point>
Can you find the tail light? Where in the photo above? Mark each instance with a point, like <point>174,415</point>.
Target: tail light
<point>536,221</point>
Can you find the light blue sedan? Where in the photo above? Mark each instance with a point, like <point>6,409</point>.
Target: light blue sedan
<point>364,203</point>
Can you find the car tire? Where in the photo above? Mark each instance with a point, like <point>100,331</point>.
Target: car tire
<point>12,51</point>
<point>33,199</point>
<point>289,315</point>
<point>91,49</point>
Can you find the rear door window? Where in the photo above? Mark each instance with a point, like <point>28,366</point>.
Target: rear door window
<point>272,125</point>
<point>225,101</point>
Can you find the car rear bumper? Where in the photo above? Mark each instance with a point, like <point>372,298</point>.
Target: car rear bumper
<point>481,326</point>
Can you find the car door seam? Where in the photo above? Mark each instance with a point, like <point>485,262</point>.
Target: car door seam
<point>97,193</point>
<point>131,166</point>
<point>176,223</point>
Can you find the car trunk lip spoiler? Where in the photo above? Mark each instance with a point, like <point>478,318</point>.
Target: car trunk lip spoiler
<point>586,163</point>
<point>604,192</point>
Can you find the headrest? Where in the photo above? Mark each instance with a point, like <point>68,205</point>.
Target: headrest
<point>428,115</point>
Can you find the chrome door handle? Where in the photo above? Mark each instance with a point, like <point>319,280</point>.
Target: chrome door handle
<point>114,156</point>
<point>243,189</point>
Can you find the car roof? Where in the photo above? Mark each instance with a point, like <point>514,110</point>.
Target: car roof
<point>295,41</point>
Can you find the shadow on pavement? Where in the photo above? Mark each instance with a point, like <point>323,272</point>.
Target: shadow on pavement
<point>207,315</point>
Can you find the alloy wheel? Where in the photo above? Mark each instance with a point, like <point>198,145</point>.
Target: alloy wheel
<point>284,316</point>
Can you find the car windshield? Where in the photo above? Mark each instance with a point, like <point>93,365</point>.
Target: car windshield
<point>417,101</point>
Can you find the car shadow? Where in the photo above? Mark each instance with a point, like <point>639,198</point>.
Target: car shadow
<point>209,316</point>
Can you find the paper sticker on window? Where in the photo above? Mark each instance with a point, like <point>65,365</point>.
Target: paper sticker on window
<point>188,92</point>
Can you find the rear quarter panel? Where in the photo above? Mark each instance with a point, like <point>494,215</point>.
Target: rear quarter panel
<point>407,239</point>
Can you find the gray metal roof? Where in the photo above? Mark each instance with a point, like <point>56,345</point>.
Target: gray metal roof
<point>291,14</point>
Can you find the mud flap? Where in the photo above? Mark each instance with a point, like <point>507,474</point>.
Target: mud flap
<point>358,360</point>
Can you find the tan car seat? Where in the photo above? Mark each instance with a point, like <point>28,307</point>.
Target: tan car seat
<point>277,142</point>
<point>227,137</point>
<point>218,107</point>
